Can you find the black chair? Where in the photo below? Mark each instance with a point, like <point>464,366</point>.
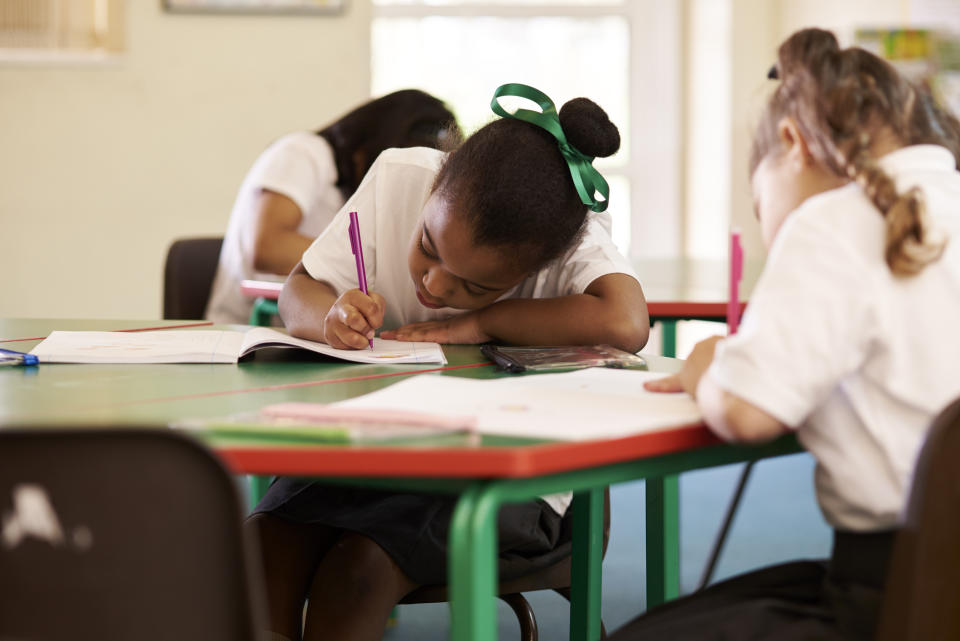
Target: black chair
<point>120,534</point>
<point>555,577</point>
<point>922,594</point>
<point>188,277</point>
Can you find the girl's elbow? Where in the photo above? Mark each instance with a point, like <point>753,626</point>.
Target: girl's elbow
<point>629,334</point>
<point>746,423</point>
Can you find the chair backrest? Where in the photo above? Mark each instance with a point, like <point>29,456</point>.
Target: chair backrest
<point>922,596</point>
<point>188,276</point>
<point>120,534</point>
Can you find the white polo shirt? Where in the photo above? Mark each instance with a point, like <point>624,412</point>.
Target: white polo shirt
<point>299,166</point>
<point>388,205</point>
<point>858,360</point>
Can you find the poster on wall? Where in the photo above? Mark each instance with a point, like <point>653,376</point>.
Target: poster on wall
<point>929,57</point>
<point>254,6</point>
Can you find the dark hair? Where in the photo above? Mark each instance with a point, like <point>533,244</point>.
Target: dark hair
<point>406,118</point>
<point>839,98</point>
<point>513,186</point>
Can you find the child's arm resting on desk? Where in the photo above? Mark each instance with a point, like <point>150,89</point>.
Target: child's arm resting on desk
<point>611,310</point>
<point>311,309</point>
<point>730,416</point>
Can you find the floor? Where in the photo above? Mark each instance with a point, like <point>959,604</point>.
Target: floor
<point>778,520</point>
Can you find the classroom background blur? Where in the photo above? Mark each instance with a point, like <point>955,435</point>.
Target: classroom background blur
<point>125,125</point>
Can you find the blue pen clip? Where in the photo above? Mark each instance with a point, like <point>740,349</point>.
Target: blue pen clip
<point>10,357</point>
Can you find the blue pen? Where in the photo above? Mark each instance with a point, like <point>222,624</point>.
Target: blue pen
<point>10,357</point>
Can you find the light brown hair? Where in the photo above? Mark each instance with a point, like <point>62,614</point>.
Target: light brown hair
<point>840,99</point>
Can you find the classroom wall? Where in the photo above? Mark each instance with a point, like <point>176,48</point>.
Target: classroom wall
<point>730,46</point>
<point>102,165</point>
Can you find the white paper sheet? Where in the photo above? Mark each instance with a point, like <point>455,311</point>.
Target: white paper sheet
<point>573,406</point>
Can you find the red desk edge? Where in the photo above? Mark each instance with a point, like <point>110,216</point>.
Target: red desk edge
<point>493,462</point>
<point>688,309</point>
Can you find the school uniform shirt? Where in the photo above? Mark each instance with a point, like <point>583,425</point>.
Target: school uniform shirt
<point>300,166</point>
<point>388,205</point>
<point>858,359</point>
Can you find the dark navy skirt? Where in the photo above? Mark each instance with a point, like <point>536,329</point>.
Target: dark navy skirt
<point>831,600</point>
<point>413,527</point>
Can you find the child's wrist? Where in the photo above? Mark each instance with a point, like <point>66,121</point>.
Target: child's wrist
<point>486,319</point>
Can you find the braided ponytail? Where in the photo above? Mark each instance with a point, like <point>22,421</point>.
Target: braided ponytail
<point>833,94</point>
<point>907,248</point>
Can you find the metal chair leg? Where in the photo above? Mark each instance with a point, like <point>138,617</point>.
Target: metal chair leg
<point>521,607</point>
<point>721,538</point>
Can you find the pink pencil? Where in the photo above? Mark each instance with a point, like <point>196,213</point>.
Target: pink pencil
<point>354,232</point>
<point>736,273</point>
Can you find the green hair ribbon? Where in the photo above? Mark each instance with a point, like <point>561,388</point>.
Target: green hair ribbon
<point>586,179</point>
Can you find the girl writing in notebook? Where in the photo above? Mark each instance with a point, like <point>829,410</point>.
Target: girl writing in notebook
<point>850,337</point>
<point>503,239</point>
<point>493,242</point>
<point>300,182</point>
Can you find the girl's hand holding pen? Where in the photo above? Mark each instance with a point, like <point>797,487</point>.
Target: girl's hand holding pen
<point>353,319</point>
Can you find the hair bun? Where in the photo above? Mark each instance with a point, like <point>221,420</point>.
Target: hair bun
<point>588,128</point>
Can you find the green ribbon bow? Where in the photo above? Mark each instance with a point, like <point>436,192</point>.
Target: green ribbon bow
<point>586,179</point>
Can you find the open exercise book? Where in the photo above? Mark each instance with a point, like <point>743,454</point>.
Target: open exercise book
<point>212,346</point>
<point>574,406</point>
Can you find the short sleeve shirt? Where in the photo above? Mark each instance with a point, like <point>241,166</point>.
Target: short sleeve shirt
<point>855,358</point>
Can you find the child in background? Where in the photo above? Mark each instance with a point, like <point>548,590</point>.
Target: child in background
<point>301,181</point>
<point>490,242</point>
<point>850,338</point>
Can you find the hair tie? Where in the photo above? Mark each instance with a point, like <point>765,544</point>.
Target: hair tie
<point>586,179</point>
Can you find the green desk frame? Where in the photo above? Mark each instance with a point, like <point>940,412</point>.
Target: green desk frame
<point>473,535</point>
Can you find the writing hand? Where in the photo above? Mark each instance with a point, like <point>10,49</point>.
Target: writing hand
<point>353,319</point>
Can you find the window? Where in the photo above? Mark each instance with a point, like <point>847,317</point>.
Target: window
<point>611,51</point>
<point>59,28</point>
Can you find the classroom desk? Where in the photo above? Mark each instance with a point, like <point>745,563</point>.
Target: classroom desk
<point>484,475</point>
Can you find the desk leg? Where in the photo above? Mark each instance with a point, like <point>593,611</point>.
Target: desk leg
<point>258,487</point>
<point>585,580</point>
<point>668,340</point>
<point>263,310</point>
<point>473,566</point>
<point>663,540</point>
